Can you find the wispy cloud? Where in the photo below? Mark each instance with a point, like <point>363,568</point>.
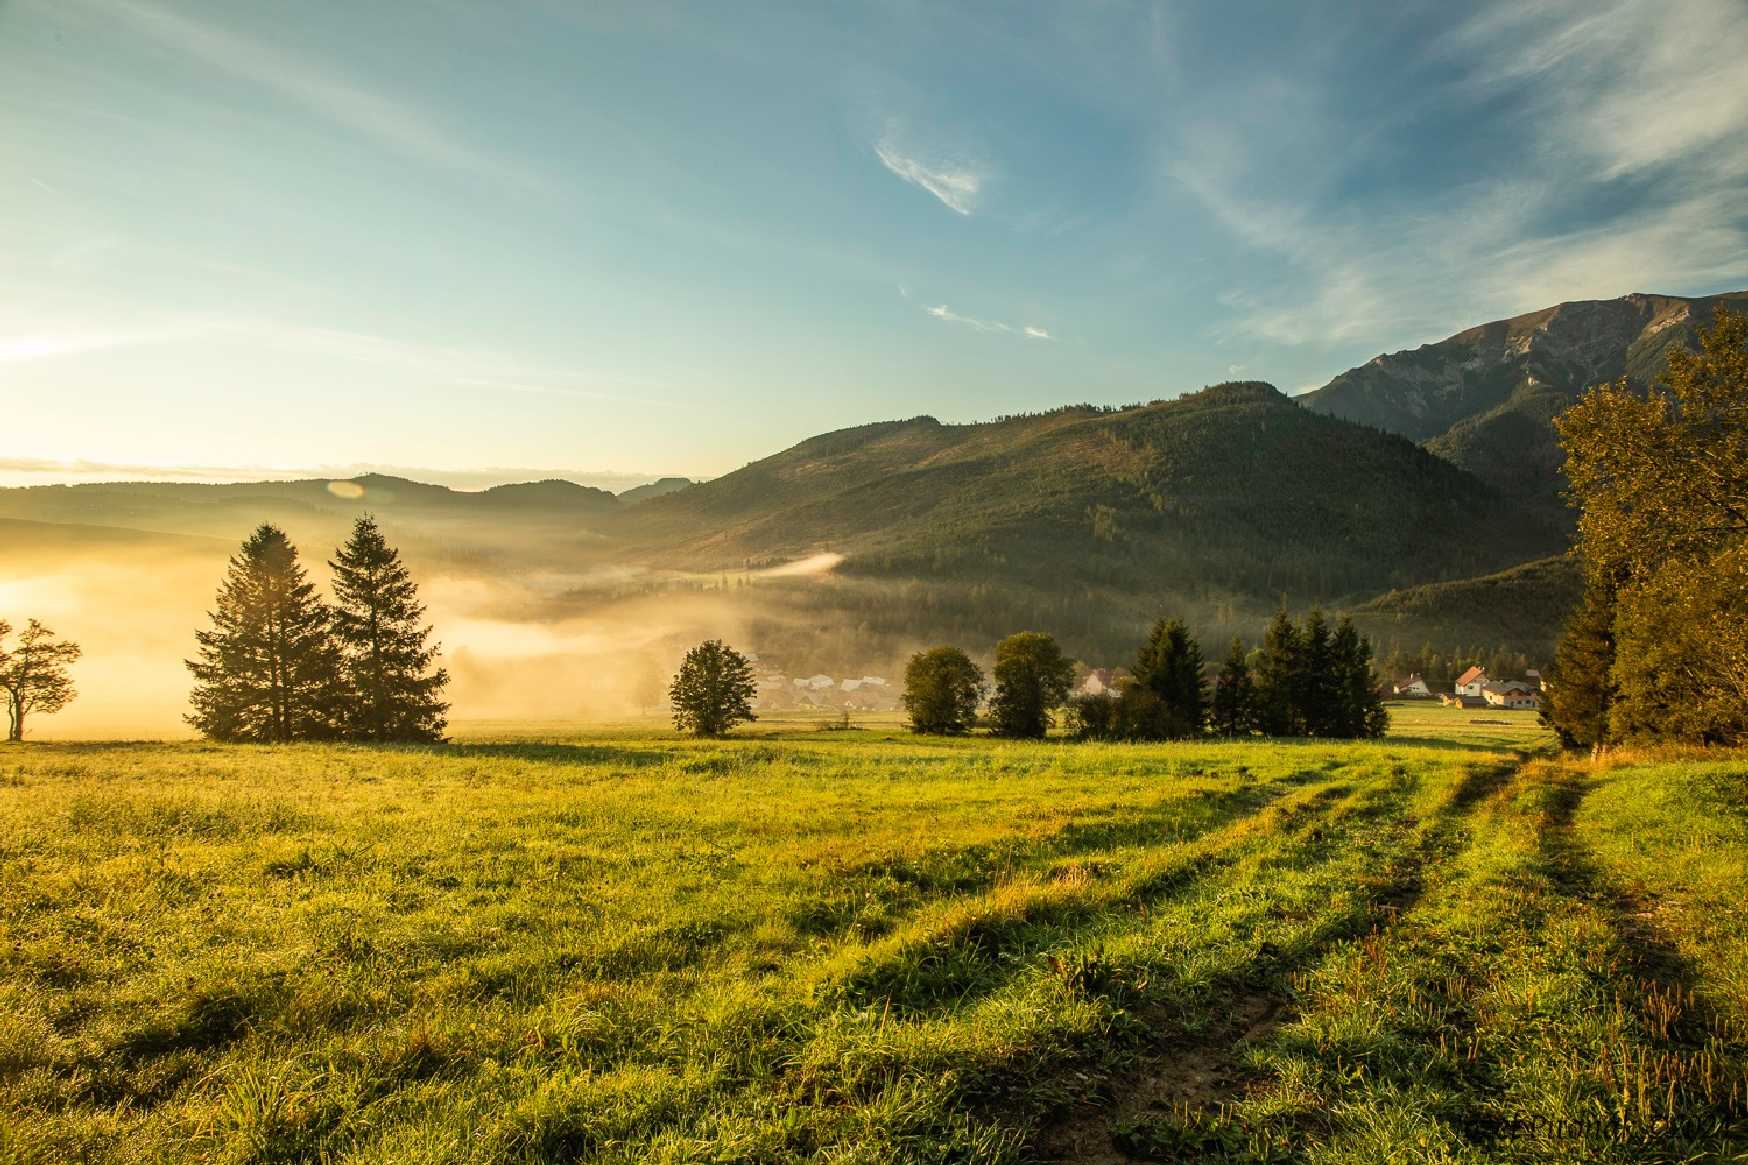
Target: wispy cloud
<point>24,348</point>
<point>957,184</point>
<point>395,124</point>
<point>1028,331</point>
<point>1606,94</point>
<point>474,369</point>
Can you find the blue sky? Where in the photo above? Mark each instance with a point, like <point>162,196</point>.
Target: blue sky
<point>642,238</point>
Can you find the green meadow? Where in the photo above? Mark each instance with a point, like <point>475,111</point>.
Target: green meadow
<point>861,946</point>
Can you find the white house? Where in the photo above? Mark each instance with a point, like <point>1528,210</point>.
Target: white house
<point>1471,682</point>
<point>1511,694</point>
<point>1411,686</point>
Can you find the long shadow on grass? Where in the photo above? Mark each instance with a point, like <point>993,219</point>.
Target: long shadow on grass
<point>1172,1105</point>
<point>975,954</point>
<point>1652,982</point>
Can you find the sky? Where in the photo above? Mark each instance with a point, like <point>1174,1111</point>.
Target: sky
<point>619,240</point>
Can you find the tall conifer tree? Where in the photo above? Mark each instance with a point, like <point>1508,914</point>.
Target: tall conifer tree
<point>1315,687</point>
<point>1169,665</point>
<point>1359,710</point>
<point>1234,703</point>
<point>394,693</point>
<point>1277,678</point>
<point>268,669</point>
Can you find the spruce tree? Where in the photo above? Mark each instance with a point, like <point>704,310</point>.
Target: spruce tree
<point>268,669</point>
<point>1277,678</point>
<point>1234,704</point>
<point>1315,688</point>
<point>1359,710</point>
<point>393,693</point>
<point>1169,666</point>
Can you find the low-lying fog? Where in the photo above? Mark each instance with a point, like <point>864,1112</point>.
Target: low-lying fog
<point>519,643</point>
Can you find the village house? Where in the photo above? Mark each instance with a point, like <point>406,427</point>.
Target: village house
<point>1511,694</point>
<point>1410,687</point>
<point>1471,682</point>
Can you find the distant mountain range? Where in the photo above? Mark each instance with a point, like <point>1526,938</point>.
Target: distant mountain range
<point>1484,399</point>
<point>1401,489</point>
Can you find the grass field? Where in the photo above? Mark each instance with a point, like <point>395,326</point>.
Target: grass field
<point>857,946</point>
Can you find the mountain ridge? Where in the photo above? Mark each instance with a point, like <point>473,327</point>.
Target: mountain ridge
<point>1485,397</point>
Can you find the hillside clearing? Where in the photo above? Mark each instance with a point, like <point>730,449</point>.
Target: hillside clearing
<point>861,947</point>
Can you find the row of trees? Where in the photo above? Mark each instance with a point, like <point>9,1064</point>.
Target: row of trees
<point>34,676</point>
<point>1302,681</point>
<point>1658,647</point>
<point>280,664</point>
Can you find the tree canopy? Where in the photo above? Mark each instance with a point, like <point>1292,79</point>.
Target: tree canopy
<point>1032,678</point>
<point>33,674</point>
<point>1659,648</point>
<point>713,690</point>
<point>942,689</point>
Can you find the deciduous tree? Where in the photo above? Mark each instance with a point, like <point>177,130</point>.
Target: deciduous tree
<point>33,675</point>
<point>1031,679</point>
<point>942,689</point>
<point>713,690</point>
<point>1661,483</point>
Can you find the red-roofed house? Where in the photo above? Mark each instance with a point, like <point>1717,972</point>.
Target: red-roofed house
<point>1471,682</point>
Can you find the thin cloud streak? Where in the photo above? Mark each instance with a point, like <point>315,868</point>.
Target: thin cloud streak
<point>958,186</point>
<point>947,315</point>
<point>403,128</point>
<point>490,371</point>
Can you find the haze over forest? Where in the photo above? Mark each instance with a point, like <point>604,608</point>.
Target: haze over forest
<point>948,324</point>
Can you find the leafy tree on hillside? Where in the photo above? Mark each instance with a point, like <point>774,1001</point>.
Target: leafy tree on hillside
<point>393,691</point>
<point>268,669</point>
<point>713,690</point>
<point>33,675</point>
<point>1032,677</point>
<point>942,689</point>
<point>1277,678</point>
<point>1234,700</point>
<point>1169,666</point>
<point>1661,482</point>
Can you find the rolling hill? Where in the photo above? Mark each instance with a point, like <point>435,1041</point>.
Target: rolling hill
<point>1484,398</point>
<point>1523,607</point>
<point>1232,488</point>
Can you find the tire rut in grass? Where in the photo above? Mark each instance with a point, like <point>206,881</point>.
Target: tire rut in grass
<point>966,957</point>
<point>1176,1104</point>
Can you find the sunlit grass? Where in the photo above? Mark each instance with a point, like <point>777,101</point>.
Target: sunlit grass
<point>856,946</point>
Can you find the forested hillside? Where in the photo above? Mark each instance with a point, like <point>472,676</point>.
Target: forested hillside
<point>1231,489</point>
